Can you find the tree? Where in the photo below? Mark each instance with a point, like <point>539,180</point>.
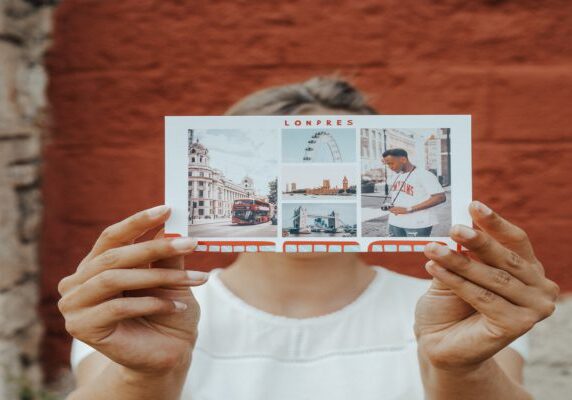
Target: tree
<point>273,191</point>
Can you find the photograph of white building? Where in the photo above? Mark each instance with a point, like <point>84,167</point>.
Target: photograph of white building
<point>230,190</point>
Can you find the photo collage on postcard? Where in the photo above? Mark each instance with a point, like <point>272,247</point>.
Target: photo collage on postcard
<point>315,183</point>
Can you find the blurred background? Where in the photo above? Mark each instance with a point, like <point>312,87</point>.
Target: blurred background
<point>84,86</point>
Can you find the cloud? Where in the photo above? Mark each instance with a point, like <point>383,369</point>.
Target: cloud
<point>239,153</point>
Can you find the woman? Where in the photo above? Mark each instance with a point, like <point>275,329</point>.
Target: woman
<point>303,326</point>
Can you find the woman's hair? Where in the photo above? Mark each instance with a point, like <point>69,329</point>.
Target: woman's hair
<point>328,92</point>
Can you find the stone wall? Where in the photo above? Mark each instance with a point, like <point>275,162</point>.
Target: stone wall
<point>25,28</point>
<point>548,373</point>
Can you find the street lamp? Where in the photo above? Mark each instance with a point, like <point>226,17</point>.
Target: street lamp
<point>384,164</point>
<point>192,203</point>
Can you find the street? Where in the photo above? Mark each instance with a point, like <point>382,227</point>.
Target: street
<point>374,221</point>
<point>226,229</point>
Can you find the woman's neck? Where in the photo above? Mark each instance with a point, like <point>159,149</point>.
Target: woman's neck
<point>298,285</point>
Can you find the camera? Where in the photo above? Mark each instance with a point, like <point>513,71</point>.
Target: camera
<point>386,207</point>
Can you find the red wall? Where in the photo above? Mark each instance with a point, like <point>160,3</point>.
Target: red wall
<point>117,67</point>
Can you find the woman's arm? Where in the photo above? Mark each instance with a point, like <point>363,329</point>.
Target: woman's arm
<point>476,306</point>
<point>133,304</point>
<point>489,380</point>
<point>98,377</point>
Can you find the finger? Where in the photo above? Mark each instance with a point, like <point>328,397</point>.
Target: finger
<point>496,280</point>
<point>126,231</point>
<point>508,320</point>
<point>112,283</point>
<point>130,256</point>
<point>137,254</point>
<point>506,233</point>
<point>493,253</point>
<point>105,315</point>
<point>177,262</point>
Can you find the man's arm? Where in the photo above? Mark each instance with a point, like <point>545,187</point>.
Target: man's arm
<point>98,377</point>
<point>435,199</point>
<point>431,185</point>
<point>432,201</point>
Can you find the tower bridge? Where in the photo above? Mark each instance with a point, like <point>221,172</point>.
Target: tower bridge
<point>331,222</point>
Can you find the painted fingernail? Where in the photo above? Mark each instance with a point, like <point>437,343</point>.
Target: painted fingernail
<point>157,211</point>
<point>197,275</point>
<point>183,244</point>
<point>179,305</point>
<point>482,209</point>
<point>465,232</point>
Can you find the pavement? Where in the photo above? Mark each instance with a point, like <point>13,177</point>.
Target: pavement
<point>203,221</point>
<point>224,228</point>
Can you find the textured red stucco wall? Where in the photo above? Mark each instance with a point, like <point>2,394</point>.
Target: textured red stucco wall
<point>117,67</point>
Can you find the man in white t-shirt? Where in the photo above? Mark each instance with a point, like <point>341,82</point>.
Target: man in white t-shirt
<point>413,193</point>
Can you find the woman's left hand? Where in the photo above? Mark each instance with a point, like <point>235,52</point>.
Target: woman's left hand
<point>477,306</point>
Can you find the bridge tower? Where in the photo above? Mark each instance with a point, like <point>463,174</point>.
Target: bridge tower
<point>333,220</point>
<point>300,221</point>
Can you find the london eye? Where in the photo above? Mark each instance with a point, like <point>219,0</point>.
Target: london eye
<point>322,147</point>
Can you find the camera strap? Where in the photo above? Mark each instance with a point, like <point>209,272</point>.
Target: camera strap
<point>402,184</point>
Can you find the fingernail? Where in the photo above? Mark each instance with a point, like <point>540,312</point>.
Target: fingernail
<point>157,211</point>
<point>434,266</point>
<point>482,209</point>
<point>439,250</point>
<point>197,275</point>
<point>465,232</point>
<point>183,244</point>
<point>179,306</point>
<point>429,264</point>
<point>433,247</point>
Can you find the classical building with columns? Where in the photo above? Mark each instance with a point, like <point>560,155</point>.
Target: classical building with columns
<point>211,194</point>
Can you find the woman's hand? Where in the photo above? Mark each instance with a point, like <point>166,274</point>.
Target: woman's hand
<point>132,301</point>
<point>477,306</point>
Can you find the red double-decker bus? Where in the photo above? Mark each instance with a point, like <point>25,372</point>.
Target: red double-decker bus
<point>251,211</point>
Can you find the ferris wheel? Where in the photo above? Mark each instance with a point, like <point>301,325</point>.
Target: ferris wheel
<point>322,147</point>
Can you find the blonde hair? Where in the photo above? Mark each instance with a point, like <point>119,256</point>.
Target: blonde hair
<point>327,92</point>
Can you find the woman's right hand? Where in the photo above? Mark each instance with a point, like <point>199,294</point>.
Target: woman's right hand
<point>132,301</point>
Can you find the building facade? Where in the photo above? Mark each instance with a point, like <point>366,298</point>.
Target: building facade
<point>325,189</point>
<point>211,194</point>
<point>431,153</point>
<point>375,141</point>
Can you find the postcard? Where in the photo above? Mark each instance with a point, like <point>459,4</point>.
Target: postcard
<point>375,183</point>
